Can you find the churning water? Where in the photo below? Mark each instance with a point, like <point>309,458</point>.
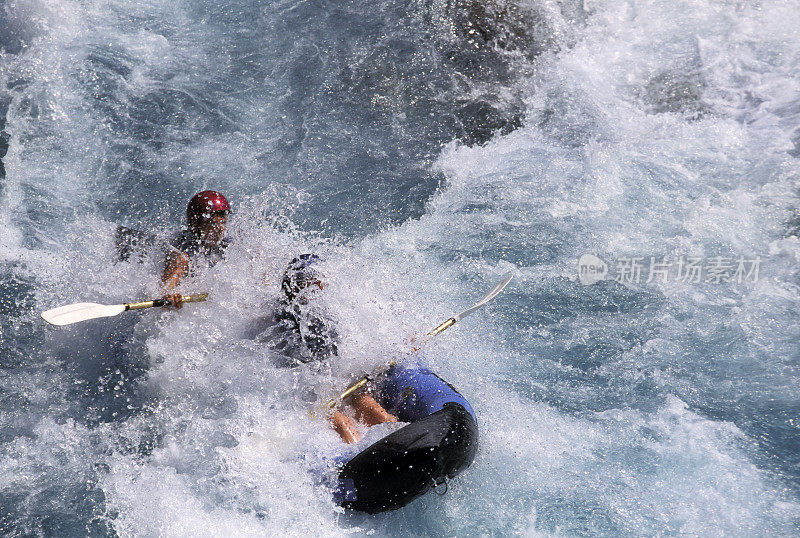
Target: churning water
<point>425,148</point>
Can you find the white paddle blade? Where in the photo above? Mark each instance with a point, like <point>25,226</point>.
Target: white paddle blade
<point>488,297</point>
<point>500,286</point>
<point>73,313</point>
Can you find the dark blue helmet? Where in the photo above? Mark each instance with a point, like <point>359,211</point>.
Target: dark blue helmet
<point>299,274</point>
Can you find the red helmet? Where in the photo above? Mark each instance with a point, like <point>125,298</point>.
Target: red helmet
<point>205,203</point>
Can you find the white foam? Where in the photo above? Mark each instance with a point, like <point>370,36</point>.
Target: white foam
<point>594,169</point>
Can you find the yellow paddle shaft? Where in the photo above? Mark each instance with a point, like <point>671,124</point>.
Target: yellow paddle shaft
<point>195,298</point>
<point>333,402</point>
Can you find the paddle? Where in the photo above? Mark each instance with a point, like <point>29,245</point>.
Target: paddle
<point>438,330</point>
<point>74,313</point>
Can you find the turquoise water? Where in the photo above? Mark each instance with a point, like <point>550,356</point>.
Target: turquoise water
<point>425,149</point>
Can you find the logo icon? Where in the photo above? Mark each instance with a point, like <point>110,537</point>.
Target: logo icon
<point>591,269</point>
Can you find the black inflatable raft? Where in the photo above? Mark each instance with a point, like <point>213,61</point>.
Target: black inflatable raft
<point>440,442</point>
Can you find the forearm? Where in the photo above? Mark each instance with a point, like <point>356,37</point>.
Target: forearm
<point>175,268</point>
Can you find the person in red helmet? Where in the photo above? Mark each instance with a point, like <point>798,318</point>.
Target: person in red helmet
<point>203,240</point>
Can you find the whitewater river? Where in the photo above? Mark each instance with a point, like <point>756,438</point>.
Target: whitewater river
<point>424,148</point>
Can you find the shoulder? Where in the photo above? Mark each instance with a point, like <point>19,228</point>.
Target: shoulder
<point>183,242</point>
